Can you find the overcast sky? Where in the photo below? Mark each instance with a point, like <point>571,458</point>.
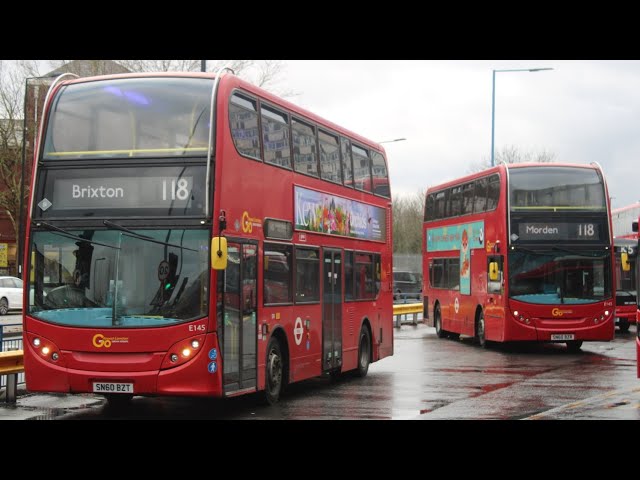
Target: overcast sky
<point>581,111</point>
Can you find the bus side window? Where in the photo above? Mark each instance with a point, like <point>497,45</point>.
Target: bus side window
<point>494,274</point>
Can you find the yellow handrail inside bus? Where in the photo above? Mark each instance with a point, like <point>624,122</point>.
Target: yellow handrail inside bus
<point>127,151</point>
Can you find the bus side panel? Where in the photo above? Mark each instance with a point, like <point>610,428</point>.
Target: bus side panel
<point>304,347</point>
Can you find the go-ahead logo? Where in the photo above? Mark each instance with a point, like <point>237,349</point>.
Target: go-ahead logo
<point>100,341</point>
<point>248,222</point>
<point>558,312</point>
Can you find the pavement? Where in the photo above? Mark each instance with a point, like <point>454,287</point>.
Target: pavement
<point>613,405</point>
<point>32,406</point>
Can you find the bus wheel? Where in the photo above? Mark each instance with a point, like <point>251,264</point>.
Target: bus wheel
<point>274,372</point>
<point>574,346</point>
<point>437,323</point>
<point>480,335</point>
<point>364,352</point>
<point>623,325</point>
<point>4,306</point>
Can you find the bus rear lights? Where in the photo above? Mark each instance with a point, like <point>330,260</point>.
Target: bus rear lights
<point>515,314</point>
<point>174,358</point>
<point>606,312</point>
<point>36,342</point>
<point>55,356</point>
<point>195,344</point>
<point>45,350</point>
<point>186,352</point>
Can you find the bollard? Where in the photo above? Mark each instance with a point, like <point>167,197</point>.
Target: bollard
<point>12,388</point>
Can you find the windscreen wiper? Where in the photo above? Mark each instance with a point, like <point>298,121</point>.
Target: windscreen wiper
<point>528,250</point>
<point>577,253</point>
<point>63,232</point>
<point>131,233</point>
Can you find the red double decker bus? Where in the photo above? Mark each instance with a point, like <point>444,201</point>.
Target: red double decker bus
<point>626,255</point>
<point>625,239</point>
<point>520,252</point>
<point>622,218</point>
<point>634,229</point>
<point>192,234</point>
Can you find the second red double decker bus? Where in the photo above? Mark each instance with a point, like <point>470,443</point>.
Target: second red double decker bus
<point>521,252</point>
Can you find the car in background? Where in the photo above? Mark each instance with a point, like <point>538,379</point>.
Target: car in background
<point>407,285</point>
<point>10,294</point>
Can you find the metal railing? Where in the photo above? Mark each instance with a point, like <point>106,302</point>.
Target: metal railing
<point>401,311</point>
<point>10,339</point>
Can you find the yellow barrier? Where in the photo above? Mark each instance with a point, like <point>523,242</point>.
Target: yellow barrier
<point>11,364</point>
<point>400,310</point>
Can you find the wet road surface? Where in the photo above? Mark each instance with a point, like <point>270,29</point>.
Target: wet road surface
<point>427,378</point>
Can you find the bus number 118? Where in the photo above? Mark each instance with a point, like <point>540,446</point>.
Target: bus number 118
<point>181,193</point>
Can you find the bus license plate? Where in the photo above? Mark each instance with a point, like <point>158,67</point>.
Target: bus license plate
<point>102,387</point>
<point>563,336</point>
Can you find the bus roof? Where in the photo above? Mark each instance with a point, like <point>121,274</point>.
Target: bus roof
<point>501,167</point>
<point>625,208</point>
<point>237,82</point>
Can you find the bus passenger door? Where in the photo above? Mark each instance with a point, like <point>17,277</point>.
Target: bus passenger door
<point>332,310</point>
<point>239,330</point>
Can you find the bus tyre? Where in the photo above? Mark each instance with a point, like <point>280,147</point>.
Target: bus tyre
<point>4,306</point>
<point>274,372</point>
<point>623,325</point>
<point>574,346</point>
<point>480,330</point>
<point>364,352</point>
<point>437,322</point>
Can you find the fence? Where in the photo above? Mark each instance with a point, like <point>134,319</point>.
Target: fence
<point>10,339</point>
<point>401,312</point>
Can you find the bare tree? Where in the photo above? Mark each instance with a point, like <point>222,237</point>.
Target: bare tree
<point>266,74</point>
<point>12,81</point>
<point>87,68</point>
<point>513,154</point>
<point>408,215</point>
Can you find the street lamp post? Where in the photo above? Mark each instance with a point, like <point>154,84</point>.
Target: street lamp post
<point>493,101</point>
<point>394,140</point>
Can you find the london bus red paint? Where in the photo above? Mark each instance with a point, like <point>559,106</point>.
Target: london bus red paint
<point>634,228</point>
<point>520,253</point>
<point>626,255</point>
<point>172,255</point>
<point>622,218</point>
<point>625,239</point>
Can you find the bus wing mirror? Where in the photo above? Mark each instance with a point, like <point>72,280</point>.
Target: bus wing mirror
<point>493,271</point>
<point>624,260</point>
<point>218,253</point>
<point>634,227</point>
